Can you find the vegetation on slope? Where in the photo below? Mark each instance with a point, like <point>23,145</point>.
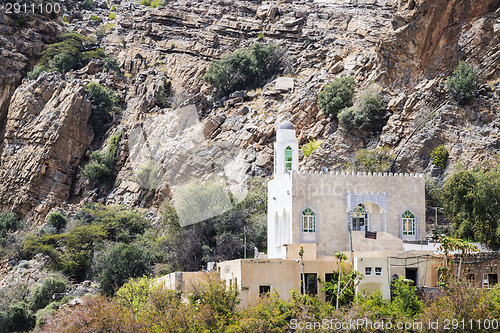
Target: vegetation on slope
<point>245,68</point>
<point>72,51</point>
<point>471,199</point>
<point>147,306</point>
<point>463,84</point>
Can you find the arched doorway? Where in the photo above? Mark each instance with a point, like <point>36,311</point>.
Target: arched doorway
<point>359,218</point>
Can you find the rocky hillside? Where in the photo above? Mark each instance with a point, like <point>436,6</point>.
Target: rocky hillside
<point>405,47</point>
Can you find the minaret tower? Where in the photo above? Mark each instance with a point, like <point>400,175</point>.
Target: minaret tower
<point>286,149</point>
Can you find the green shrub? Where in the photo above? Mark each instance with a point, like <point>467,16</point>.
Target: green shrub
<point>102,100</point>
<point>70,52</point>
<point>93,54</point>
<point>439,157</point>
<point>8,222</point>
<point>94,17</point>
<point>87,4</point>
<point>62,63</point>
<point>464,83</point>
<point>145,2</point>
<point>35,73</point>
<point>21,22</point>
<point>366,115</point>
<point>71,252</point>
<point>18,318</point>
<point>112,16</point>
<point>346,285</point>
<point>57,220</point>
<point>43,314</point>
<point>118,263</point>
<point>336,96</point>
<point>41,295</point>
<point>221,299</point>
<point>110,63</point>
<point>471,199</point>
<point>165,95</point>
<point>375,160</point>
<point>70,43</point>
<point>120,224</point>
<point>404,299</point>
<point>101,165</point>
<point>245,68</point>
<point>113,8</point>
<point>310,147</point>
<point>147,175</point>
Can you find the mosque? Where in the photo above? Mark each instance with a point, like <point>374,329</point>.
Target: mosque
<point>376,219</point>
<point>330,209</point>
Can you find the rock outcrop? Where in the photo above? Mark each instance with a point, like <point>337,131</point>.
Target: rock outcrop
<point>46,135</point>
<point>407,47</point>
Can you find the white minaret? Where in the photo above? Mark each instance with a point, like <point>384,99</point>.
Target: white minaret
<point>286,149</point>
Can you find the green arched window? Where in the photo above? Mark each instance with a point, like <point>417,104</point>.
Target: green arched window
<point>408,220</point>
<point>359,212</point>
<point>288,159</point>
<point>308,220</point>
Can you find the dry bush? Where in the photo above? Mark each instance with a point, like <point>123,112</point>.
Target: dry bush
<point>95,314</point>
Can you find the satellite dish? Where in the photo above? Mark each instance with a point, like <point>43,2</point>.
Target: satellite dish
<point>324,169</point>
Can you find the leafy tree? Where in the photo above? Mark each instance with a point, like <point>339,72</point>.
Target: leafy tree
<point>464,83</point>
<point>72,51</point>
<point>165,94</point>
<point>404,299</point>
<point>336,96</point>
<point>367,115</point>
<point>62,62</point>
<point>41,295</point>
<point>375,160</point>
<point>120,223</point>
<point>35,73</point>
<point>471,199</point>
<point>111,64</point>
<point>101,165</point>
<point>218,238</point>
<point>245,68</point>
<point>310,147</point>
<point>71,252</point>
<point>102,100</point>
<point>8,222</point>
<point>439,157</point>
<point>87,4</point>
<point>118,263</point>
<point>221,299</point>
<point>18,318</point>
<point>57,220</point>
<point>346,288</point>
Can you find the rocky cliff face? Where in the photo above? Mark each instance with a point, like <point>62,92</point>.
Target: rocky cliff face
<point>406,47</point>
<point>45,138</point>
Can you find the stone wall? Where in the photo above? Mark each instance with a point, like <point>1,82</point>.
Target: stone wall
<point>326,194</point>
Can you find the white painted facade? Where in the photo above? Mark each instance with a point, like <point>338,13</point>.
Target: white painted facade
<point>321,207</point>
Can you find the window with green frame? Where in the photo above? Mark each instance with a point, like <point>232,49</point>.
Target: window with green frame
<point>408,220</point>
<point>288,158</point>
<point>308,220</point>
